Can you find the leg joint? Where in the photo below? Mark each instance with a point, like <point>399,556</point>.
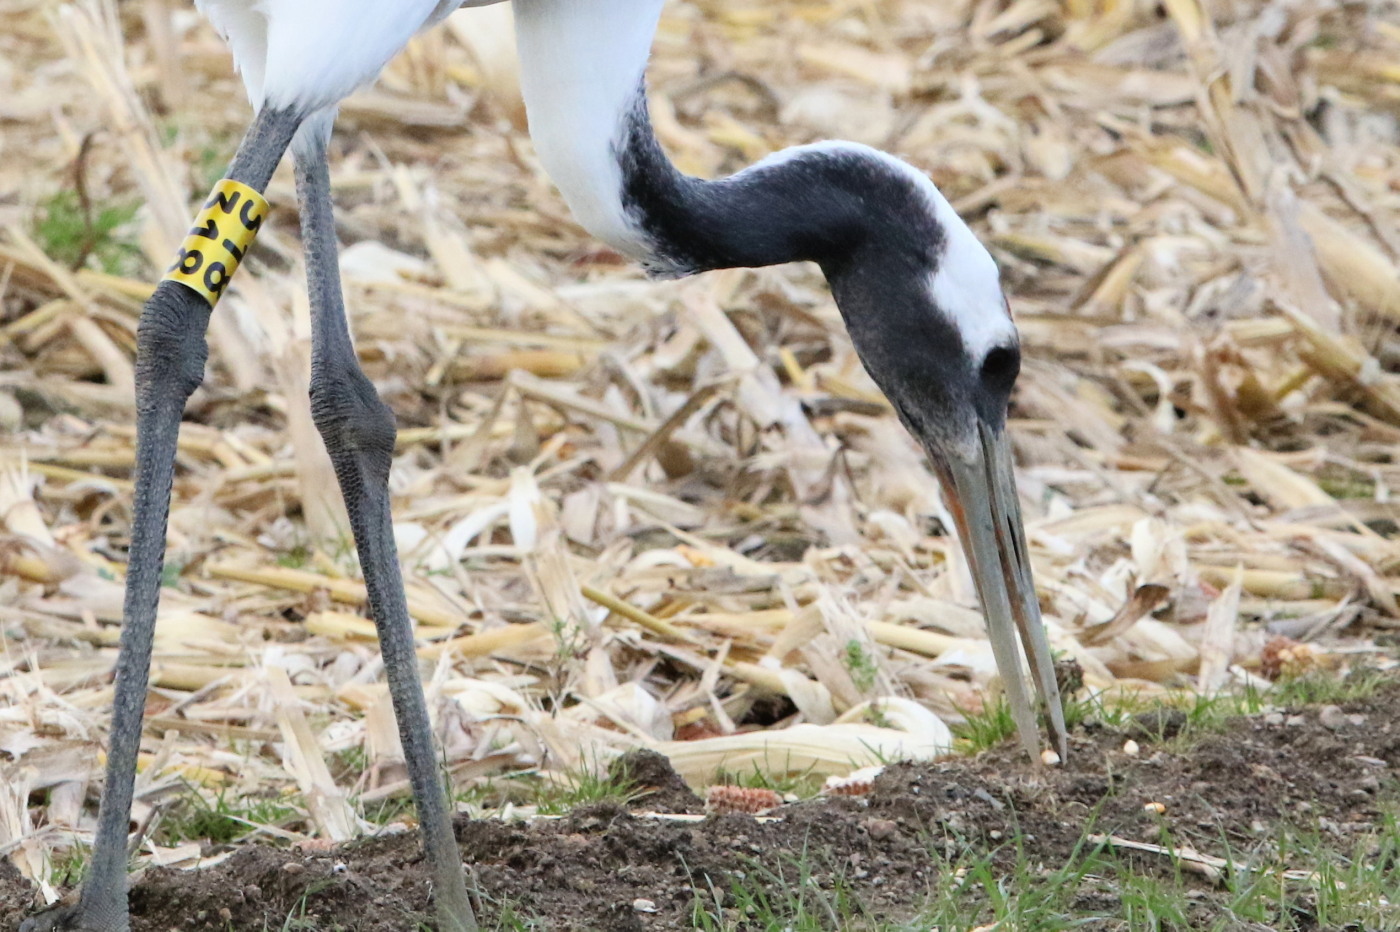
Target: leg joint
<point>348,413</point>
<point>170,346</point>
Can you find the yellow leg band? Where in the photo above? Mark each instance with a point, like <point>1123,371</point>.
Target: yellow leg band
<point>220,237</point>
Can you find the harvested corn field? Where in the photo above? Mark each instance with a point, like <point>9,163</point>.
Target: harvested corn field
<point>1274,821</point>
<point>679,515</point>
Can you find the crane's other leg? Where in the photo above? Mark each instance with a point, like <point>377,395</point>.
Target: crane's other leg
<point>358,430</point>
<point>170,356</point>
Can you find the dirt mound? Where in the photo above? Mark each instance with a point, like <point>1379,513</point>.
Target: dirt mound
<point>657,787</point>
<point>606,867</point>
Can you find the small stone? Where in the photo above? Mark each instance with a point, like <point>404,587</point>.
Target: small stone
<point>989,799</point>
<point>1131,748</point>
<point>642,905</point>
<point>225,914</point>
<point>1332,717</point>
<point>1273,718</point>
<point>1049,758</point>
<point>880,829</point>
<point>252,892</point>
<point>293,868</point>
<point>1293,721</point>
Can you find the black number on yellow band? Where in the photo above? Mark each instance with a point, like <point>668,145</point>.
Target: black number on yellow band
<point>251,222</point>
<point>215,246</point>
<point>188,261</point>
<point>234,251</point>
<point>216,277</point>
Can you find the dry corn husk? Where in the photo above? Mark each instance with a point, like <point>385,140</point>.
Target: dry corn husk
<point>646,514</point>
<point>836,749</point>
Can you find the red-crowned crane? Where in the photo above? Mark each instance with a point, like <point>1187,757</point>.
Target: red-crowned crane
<point>919,294</point>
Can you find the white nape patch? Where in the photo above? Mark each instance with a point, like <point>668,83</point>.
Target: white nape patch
<point>311,54</point>
<point>967,288</point>
<point>581,66</point>
<point>967,285</point>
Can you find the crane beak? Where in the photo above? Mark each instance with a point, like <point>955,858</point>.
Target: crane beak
<point>980,488</point>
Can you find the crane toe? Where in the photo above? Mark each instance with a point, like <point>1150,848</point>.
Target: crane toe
<point>72,919</point>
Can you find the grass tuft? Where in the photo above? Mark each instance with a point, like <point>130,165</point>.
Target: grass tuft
<point>584,786</point>
<point>75,233</point>
<point>803,784</point>
<point>223,819</point>
<point>985,728</point>
<point>1204,714</point>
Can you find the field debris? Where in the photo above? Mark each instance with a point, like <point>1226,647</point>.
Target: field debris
<point>680,516</point>
<point>857,783</point>
<point>752,800</point>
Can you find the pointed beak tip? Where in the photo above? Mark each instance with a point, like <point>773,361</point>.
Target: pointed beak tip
<point>980,484</point>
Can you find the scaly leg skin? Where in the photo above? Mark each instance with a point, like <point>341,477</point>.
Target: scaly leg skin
<point>170,356</point>
<point>358,430</point>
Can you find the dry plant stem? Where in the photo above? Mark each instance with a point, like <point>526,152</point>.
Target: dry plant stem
<point>358,430</point>
<point>170,356</point>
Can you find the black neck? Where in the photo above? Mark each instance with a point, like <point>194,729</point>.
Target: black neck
<point>828,205</point>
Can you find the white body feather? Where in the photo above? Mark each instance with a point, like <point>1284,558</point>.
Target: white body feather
<point>311,54</point>
<point>581,62</point>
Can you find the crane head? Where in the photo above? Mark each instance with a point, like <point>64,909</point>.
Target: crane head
<point>923,301</point>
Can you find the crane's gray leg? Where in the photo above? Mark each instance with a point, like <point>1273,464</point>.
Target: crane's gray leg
<point>359,433</point>
<point>170,356</point>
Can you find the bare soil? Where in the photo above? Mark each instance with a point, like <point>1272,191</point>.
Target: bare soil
<point>605,867</point>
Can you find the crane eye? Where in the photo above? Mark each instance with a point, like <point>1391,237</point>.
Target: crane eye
<point>1001,366</point>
